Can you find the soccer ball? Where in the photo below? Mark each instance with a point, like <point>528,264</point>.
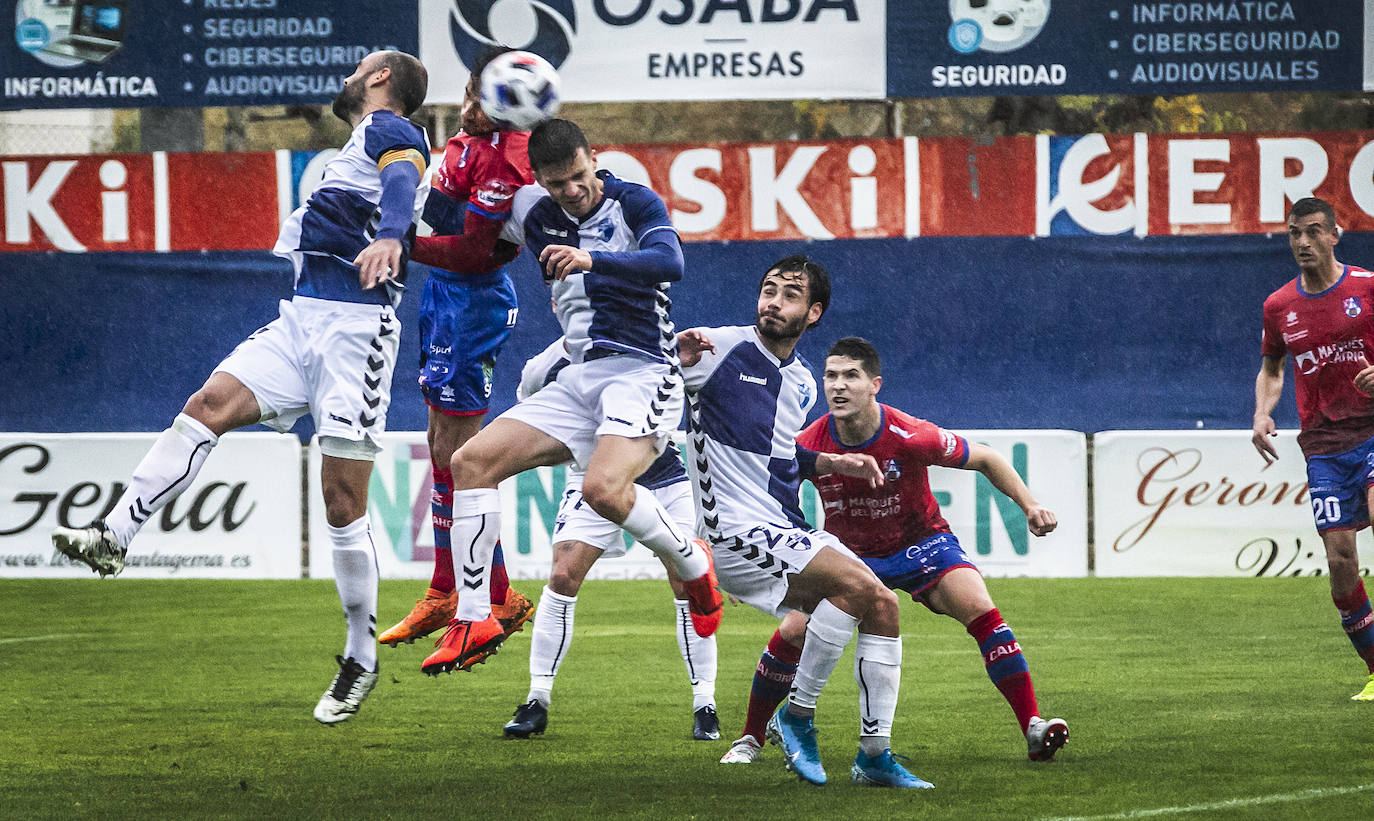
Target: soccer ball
<point>519,90</point>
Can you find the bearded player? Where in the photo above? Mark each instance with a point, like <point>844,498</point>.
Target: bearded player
<point>897,530</point>
<point>1325,318</point>
<point>466,316</point>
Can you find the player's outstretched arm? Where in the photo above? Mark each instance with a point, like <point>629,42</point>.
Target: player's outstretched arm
<point>1039,519</point>
<point>1268,388</point>
<point>858,465</point>
<point>478,250</point>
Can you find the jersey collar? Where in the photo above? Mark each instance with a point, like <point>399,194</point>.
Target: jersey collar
<point>882,425</point>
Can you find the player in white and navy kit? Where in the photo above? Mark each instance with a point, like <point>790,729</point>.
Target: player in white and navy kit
<point>750,394</point>
<point>580,539</point>
<point>330,353</point>
<point>609,252</point>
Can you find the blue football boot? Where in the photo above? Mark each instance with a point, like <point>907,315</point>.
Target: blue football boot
<point>882,770</point>
<point>797,738</point>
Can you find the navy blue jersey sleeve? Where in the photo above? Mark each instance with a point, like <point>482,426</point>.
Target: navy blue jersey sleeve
<point>659,259</point>
<point>398,200</point>
<point>389,138</point>
<point>806,462</point>
<point>645,213</point>
<point>443,213</point>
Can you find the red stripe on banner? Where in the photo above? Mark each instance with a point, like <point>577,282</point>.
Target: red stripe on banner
<point>843,189</point>
<point>223,201</point>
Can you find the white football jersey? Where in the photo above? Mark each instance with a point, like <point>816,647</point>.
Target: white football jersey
<point>341,216</point>
<point>598,310</point>
<point>745,411</point>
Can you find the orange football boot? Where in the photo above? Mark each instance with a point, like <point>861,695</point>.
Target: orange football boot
<point>464,644</point>
<point>703,599</point>
<point>515,612</point>
<point>432,612</point>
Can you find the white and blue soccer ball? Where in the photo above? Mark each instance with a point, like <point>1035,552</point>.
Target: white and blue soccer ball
<point>520,90</point>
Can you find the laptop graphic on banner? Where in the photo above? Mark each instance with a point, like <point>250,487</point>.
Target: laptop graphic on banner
<point>97,31</point>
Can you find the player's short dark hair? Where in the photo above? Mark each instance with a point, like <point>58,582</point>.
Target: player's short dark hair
<point>817,279</point>
<point>554,144</point>
<point>409,81</point>
<point>486,57</point>
<point>856,347</point>
<point>1313,205</point>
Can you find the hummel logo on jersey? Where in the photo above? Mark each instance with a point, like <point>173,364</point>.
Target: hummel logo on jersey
<point>554,232</point>
<point>753,380</point>
<point>900,432</point>
<point>1292,317</point>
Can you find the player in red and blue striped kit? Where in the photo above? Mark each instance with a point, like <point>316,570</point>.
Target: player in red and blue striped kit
<point>467,311</point>
<point>1325,318</point>
<point>897,530</point>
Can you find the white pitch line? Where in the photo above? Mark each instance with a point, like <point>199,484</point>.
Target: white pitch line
<point>1279,798</point>
<point>48,637</point>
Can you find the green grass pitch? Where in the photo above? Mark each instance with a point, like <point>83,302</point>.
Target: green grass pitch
<point>192,699</point>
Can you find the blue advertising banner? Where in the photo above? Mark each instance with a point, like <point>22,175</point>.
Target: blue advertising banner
<point>131,54</point>
<point>1007,47</point>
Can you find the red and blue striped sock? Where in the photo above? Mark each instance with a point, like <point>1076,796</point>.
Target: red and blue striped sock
<point>772,682</point>
<point>1358,621</point>
<point>441,517</point>
<point>1005,664</point>
<point>500,582</point>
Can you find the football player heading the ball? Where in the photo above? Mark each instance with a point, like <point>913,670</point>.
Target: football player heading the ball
<point>1325,318</point>
<point>608,252</point>
<point>467,310</point>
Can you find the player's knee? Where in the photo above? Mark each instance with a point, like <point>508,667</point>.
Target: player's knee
<point>611,500</point>
<point>793,628</point>
<point>564,583</point>
<point>471,468</point>
<point>212,407</point>
<point>343,505</point>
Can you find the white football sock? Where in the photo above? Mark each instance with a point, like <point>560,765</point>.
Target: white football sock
<point>878,672</point>
<point>699,654</point>
<point>355,575</point>
<point>167,469</point>
<point>476,528</point>
<point>552,634</point>
<point>827,634</point>
<point>651,525</point>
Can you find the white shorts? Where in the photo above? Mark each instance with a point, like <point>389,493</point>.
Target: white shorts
<point>620,395</point>
<point>332,359</point>
<point>754,565</point>
<point>577,522</point>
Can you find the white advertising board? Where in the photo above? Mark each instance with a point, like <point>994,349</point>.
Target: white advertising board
<point>992,529</point>
<point>241,519</point>
<point>989,525</point>
<point>1202,503</point>
<point>625,50</point>
<point>399,506</point>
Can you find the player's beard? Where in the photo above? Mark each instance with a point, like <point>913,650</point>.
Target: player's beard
<point>787,330</point>
<point>349,102</point>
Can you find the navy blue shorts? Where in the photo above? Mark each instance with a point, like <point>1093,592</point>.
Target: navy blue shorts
<point>1337,486</point>
<point>920,566</point>
<point>462,329</point>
